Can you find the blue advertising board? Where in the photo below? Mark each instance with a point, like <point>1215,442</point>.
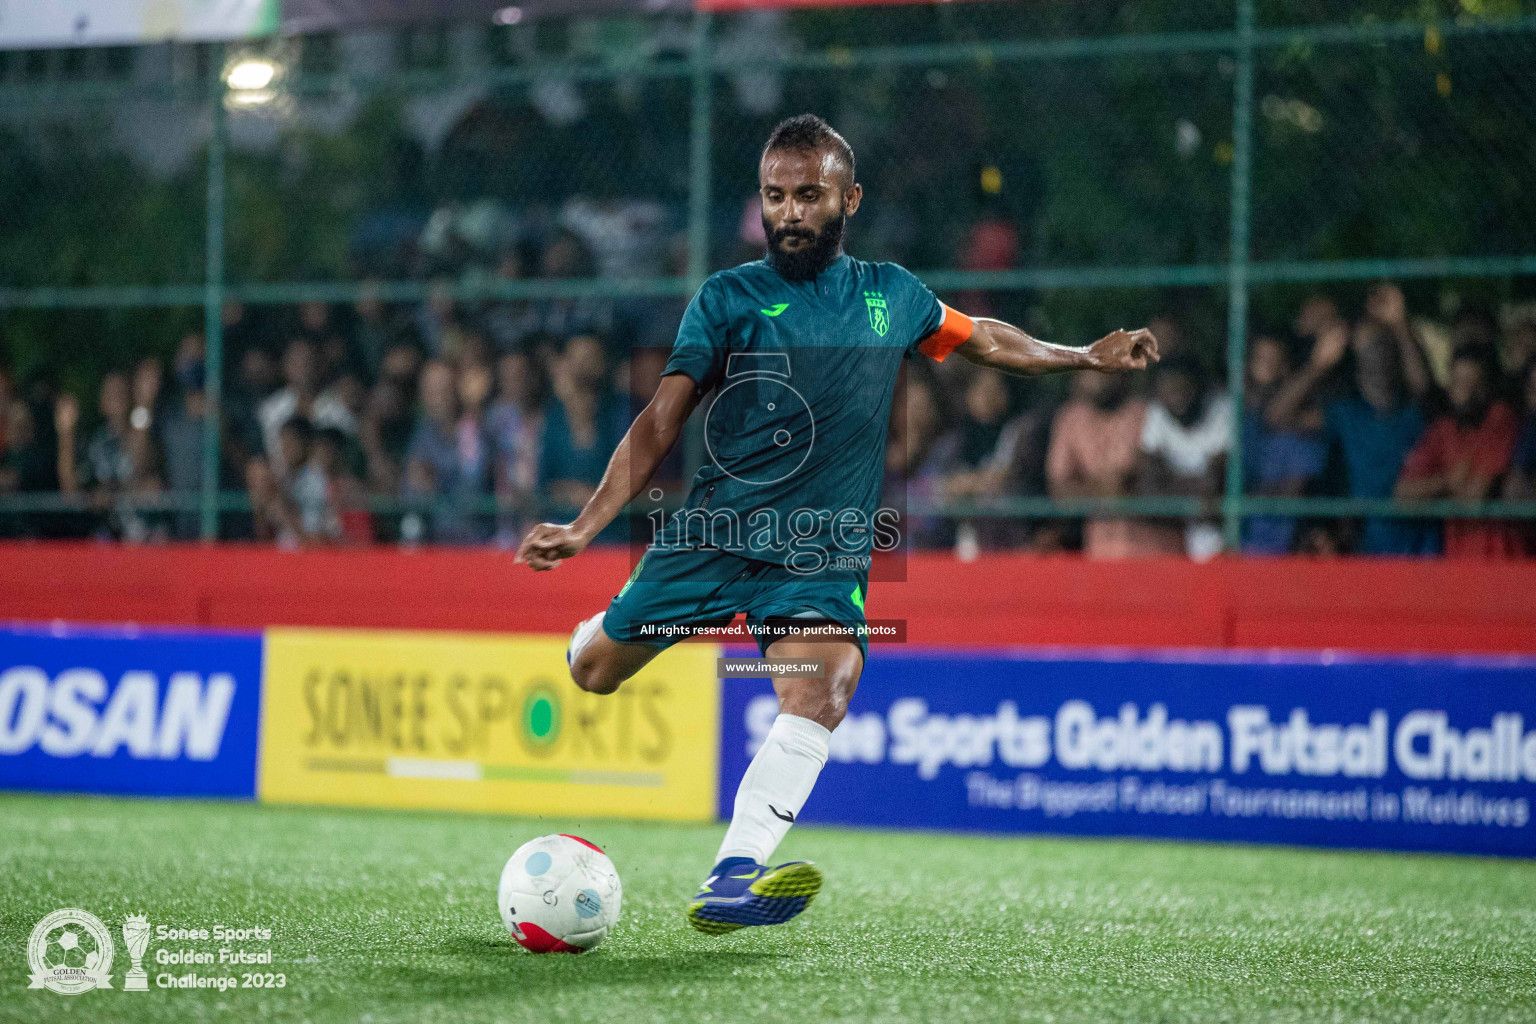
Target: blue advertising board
<point>128,710</point>
<point>1323,749</point>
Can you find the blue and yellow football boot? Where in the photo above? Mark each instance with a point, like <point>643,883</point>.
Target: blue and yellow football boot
<point>740,893</point>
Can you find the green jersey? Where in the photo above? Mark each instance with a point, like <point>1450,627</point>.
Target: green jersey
<point>803,374</point>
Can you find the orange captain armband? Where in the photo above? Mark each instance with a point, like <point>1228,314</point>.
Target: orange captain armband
<point>952,333</point>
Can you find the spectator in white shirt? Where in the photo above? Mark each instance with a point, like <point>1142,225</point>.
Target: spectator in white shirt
<point>1184,443</point>
<point>301,396</point>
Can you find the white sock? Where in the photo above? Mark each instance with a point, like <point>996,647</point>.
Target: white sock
<point>583,635</point>
<point>775,787</point>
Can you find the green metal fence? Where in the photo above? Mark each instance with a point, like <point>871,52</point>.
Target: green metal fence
<point>1271,95</point>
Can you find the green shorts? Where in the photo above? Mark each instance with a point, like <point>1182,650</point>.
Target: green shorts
<point>674,590</point>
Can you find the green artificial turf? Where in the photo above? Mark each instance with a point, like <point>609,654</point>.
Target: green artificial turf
<point>390,916</point>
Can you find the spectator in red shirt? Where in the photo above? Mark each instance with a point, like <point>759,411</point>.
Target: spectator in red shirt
<point>1521,483</point>
<point>1465,454</point>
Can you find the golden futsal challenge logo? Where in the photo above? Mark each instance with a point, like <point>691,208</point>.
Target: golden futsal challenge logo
<point>70,952</point>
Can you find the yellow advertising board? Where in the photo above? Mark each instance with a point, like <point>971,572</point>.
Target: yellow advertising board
<point>475,722</point>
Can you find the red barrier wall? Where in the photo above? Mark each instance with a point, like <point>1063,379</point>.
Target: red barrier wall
<point>1377,605</point>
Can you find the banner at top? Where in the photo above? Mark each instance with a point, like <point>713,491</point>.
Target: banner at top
<point>301,16</point>
<point>38,24</point>
<point>743,5</point>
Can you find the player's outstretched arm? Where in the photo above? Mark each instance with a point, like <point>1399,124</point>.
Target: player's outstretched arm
<point>647,442</point>
<point>1005,347</point>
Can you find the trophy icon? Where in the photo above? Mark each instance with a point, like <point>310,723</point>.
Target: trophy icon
<point>136,936</point>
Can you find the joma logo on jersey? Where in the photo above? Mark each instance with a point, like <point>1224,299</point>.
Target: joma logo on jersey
<point>879,315</point>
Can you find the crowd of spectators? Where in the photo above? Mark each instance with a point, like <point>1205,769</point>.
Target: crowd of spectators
<point>1379,407</point>
<point>448,423</point>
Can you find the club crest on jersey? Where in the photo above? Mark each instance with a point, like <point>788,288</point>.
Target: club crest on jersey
<point>879,315</point>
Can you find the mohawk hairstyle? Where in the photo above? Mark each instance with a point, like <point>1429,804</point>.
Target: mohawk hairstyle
<point>807,133</point>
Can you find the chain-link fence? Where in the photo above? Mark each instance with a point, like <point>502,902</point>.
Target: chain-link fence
<point>192,232</point>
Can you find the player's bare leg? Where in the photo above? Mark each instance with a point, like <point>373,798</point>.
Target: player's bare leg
<point>599,663</point>
<point>742,890</point>
<point>824,700</point>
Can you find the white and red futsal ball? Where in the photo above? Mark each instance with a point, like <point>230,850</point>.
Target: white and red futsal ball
<point>559,894</point>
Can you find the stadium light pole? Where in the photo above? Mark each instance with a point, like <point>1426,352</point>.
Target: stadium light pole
<point>699,200</point>
<point>698,153</point>
<point>1237,269</point>
<point>213,300</point>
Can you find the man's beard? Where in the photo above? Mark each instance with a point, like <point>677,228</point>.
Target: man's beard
<point>805,263</point>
